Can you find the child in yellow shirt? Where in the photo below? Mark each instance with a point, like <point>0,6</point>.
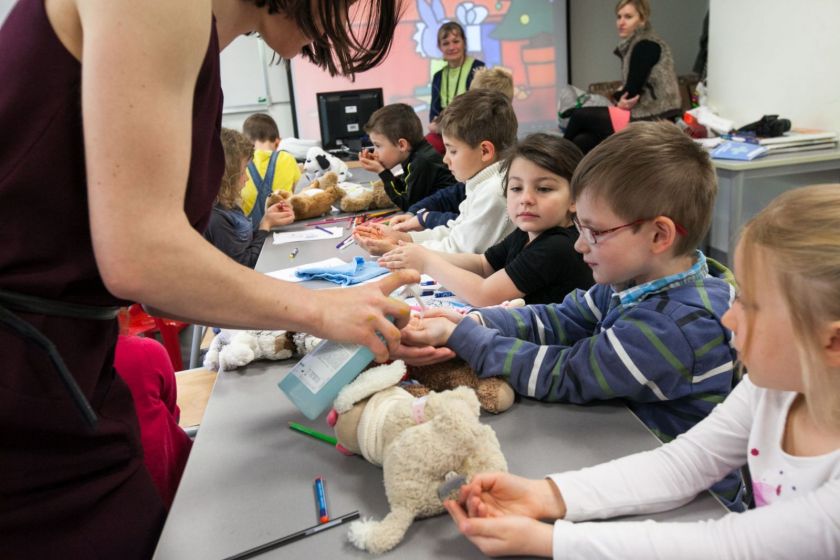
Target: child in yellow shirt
<point>270,171</point>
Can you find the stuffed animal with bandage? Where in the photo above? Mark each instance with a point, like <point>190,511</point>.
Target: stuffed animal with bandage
<point>318,163</point>
<point>314,200</point>
<point>425,446</point>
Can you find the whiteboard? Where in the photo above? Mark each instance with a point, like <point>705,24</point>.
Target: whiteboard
<point>244,75</point>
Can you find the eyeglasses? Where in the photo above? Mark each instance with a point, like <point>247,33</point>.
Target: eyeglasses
<point>591,235</point>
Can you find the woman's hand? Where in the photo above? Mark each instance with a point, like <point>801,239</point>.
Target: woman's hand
<point>627,103</point>
<point>408,223</point>
<point>433,127</point>
<point>406,255</point>
<point>370,161</point>
<point>357,314</point>
<point>504,536</point>
<point>276,215</point>
<point>499,494</point>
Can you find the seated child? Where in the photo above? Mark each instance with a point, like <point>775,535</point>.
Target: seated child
<point>437,209</point>
<point>650,330</point>
<point>783,420</point>
<point>477,127</point>
<point>496,79</point>
<point>397,136</point>
<point>442,205</point>
<point>229,229</point>
<point>145,367</point>
<point>270,171</point>
<point>538,260</point>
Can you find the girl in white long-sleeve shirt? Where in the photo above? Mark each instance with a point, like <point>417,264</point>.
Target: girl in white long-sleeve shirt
<point>783,420</point>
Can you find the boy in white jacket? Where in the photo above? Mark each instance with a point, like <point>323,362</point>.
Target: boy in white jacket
<point>477,127</point>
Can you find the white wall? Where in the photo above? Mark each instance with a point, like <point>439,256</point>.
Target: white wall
<point>593,36</point>
<point>278,88</point>
<point>775,57</point>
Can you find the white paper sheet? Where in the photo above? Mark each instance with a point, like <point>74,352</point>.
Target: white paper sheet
<point>309,234</point>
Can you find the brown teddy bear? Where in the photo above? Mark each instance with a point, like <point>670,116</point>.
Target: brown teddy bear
<point>380,197</point>
<point>314,200</point>
<point>494,393</point>
<point>354,197</point>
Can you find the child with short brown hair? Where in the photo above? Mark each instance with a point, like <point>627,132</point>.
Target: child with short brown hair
<point>270,170</point>
<point>477,127</point>
<point>650,331</point>
<point>397,137</point>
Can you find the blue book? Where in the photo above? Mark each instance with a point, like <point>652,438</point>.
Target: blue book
<point>743,151</point>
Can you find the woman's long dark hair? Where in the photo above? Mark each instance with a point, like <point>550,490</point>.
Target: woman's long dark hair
<point>336,47</point>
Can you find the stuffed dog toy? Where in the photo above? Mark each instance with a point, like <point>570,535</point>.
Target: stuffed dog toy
<point>425,446</point>
<point>318,162</point>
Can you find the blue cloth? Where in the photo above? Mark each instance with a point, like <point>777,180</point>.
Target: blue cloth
<point>348,274</point>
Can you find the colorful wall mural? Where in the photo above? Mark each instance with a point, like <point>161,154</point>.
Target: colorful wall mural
<point>528,37</point>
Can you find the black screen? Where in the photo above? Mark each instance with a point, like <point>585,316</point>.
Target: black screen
<point>343,115</point>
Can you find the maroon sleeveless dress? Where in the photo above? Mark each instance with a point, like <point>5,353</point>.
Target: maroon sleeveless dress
<point>67,490</point>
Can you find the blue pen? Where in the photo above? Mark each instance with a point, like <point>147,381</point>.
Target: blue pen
<point>444,294</point>
<point>323,229</point>
<point>321,500</point>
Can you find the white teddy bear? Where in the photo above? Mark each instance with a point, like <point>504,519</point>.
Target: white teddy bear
<point>426,447</point>
<point>231,349</point>
<point>318,162</point>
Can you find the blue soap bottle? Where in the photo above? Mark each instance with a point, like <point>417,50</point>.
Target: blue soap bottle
<point>314,382</point>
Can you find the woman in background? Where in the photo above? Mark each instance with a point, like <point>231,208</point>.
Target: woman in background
<point>650,89</point>
<point>451,80</point>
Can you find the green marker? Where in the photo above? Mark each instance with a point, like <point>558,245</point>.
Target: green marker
<point>310,432</point>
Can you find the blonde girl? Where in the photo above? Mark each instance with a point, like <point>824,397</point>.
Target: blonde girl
<point>536,261</point>
<point>782,420</point>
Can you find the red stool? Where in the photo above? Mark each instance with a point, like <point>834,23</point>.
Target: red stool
<point>140,323</point>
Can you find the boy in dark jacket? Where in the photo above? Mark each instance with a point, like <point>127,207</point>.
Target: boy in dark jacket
<point>408,166</point>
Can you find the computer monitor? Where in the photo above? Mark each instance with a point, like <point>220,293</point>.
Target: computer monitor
<point>342,116</point>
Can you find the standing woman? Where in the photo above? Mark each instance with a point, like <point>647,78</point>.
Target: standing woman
<point>650,89</point>
<point>451,80</point>
<point>126,98</point>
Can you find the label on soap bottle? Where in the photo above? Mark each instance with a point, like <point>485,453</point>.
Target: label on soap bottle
<point>319,366</point>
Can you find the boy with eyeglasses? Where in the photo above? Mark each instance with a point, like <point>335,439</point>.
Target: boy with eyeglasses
<point>649,332</point>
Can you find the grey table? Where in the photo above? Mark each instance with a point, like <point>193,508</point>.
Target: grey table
<point>249,477</point>
<point>745,187</point>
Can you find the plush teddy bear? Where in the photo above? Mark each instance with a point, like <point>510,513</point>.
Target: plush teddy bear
<point>318,163</point>
<point>494,393</point>
<point>314,200</point>
<point>380,197</point>
<point>425,446</point>
<point>354,197</point>
<point>231,349</point>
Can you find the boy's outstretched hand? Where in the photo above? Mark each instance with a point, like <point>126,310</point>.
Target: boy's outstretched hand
<point>378,239</point>
<point>405,222</point>
<point>422,339</point>
<point>406,255</point>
